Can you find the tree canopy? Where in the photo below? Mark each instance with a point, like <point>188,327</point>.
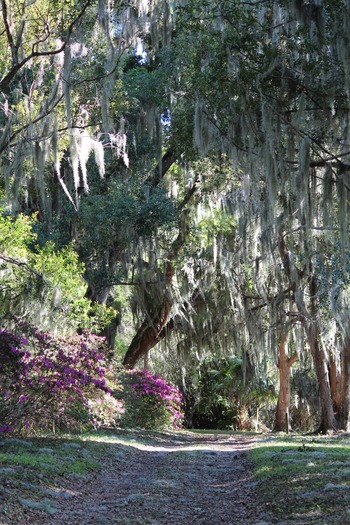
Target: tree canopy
<point>196,156</point>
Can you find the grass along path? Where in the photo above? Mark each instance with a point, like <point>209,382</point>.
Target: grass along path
<point>304,479</point>
<point>35,473</point>
<point>165,479</point>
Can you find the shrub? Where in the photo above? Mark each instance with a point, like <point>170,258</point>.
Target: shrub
<point>224,400</point>
<point>74,383</point>
<point>55,383</point>
<point>150,402</point>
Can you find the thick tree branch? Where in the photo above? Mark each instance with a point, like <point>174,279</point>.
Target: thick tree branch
<point>168,159</point>
<point>292,359</point>
<point>273,299</point>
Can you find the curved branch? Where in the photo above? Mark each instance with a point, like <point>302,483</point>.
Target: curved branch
<point>13,47</point>
<point>22,264</point>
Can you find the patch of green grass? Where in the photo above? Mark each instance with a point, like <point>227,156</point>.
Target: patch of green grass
<point>304,479</point>
<point>31,467</point>
<point>56,458</point>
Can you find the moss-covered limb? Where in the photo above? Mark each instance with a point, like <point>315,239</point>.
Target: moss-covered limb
<point>148,334</point>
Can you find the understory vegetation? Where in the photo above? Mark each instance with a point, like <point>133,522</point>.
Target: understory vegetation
<point>52,383</point>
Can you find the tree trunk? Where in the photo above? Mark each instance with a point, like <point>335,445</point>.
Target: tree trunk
<point>284,365</point>
<point>328,419</point>
<point>147,336</point>
<point>345,386</point>
<point>335,376</point>
<point>309,322</point>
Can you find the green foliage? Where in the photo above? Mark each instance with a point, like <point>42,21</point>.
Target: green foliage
<point>145,86</point>
<point>110,223</point>
<point>228,400</point>
<point>61,270</point>
<point>17,276</point>
<point>16,234</point>
<point>42,282</point>
<point>216,224</point>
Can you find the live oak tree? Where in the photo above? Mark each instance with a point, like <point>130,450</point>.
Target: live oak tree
<point>269,82</point>
<point>268,85</point>
<point>62,103</point>
<point>258,83</point>
<point>60,94</point>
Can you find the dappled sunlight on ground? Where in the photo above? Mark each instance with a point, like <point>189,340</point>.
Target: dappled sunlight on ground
<point>182,442</point>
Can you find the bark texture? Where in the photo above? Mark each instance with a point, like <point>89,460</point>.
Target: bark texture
<point>345,386</point>
<point>335,375</point>
<point>320,359</point>
<point>308,319</point>
<point>284,365</point>
<point>147,336</point>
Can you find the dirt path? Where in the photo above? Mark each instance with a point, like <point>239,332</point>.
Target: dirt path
<point>166,480</point>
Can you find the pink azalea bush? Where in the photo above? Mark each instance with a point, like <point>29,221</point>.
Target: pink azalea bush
<point>55,383</point>
<point>150,402</point>
<point>52,383</point>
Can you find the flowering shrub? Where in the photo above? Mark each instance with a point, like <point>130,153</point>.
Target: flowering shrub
<point>49,382</point>
<point>105,411</point>
<point>150,402</point>
<point>69,383</point>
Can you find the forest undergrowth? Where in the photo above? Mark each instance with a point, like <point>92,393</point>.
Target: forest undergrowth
<point>151,478</point>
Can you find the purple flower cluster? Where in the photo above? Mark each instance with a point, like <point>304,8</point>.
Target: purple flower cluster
<point>155,403</point>
<point>55,382</point>
<point>72,383</point>
<point>6,428</point>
